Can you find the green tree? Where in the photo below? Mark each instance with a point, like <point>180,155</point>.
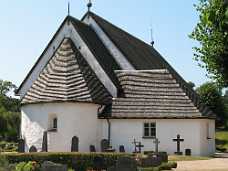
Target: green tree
<point>226,101</point>
<point>9,113</point>
<point>6,86</point>
<point>212,34</point>
<point>211,95</point>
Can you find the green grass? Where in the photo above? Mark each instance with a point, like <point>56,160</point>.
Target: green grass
<point>222,140</point>
<point>187,158</point>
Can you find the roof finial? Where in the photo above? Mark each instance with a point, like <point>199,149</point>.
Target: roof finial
<point>152,37</point>
<point>68,8</point>
<point>89,5</point>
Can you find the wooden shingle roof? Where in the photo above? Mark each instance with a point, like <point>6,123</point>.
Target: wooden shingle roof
<point>67,77</point>
<point>151,94</point>
<point>153,89</point>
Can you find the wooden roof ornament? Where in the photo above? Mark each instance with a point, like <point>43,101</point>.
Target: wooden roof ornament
<point>89,5</point>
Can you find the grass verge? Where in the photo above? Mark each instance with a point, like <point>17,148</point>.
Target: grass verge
<point>221,140</point>
<point>187,158</point>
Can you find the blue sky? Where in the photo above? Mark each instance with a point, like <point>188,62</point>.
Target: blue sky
<point>27,26</point>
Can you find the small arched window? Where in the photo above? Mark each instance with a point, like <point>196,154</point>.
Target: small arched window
<point>55,123</point>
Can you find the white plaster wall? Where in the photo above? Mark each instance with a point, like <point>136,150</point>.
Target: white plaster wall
<point>74,119</point>
<point>207,137</point>
<point>123,132</point>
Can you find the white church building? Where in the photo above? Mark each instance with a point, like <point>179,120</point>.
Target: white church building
<point>95,81</point>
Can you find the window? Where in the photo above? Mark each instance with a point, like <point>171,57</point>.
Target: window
<point>55,123</point>
<point>149,130</point>
<point>52,123</point>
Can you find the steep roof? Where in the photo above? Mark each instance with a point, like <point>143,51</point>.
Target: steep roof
<point>67,77</point>
<point>98,49</point>
<point>151,94</point>
<point>139,54</point>
<point>145,57</point>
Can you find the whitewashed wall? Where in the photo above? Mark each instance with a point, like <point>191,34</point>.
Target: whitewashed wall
<point>74,119</point>
<point>193,131</point>
<point>80,119</point>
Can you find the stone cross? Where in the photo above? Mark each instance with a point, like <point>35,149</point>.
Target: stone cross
<point>156,142</point>
<point>138,146</point>
<point>178,140</point>
<point>135,144</point>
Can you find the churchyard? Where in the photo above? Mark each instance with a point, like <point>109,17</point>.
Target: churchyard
<point>107,160</point>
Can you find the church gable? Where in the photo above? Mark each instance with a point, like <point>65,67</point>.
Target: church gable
<point>67,77</point>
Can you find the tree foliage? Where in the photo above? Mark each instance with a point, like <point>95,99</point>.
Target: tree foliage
<point>212,33</point>
<point>9,113</point>
<point>211,95</point>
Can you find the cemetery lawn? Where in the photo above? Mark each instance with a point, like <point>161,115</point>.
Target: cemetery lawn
<point>187,158</point>
<point>222,140</point>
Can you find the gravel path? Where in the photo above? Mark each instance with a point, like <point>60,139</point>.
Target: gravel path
<point>217,164</point>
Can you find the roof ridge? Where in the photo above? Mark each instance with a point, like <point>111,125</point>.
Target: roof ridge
<point>93,14</point>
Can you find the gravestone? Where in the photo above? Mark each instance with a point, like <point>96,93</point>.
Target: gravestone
<point>178,140</point>
<point>50,166</point>
<point>122,149</point>
<point>92,148</point>
<point>21,146</point>
<point>45,142</point>
<point>124,164</point>
<point>32,149</point>
<point>74,144</point>
<point>188,152</point>
<point>104,145</point>
<point>156,142</point>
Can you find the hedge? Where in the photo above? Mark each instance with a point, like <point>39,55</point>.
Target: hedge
<point>78,161</point>
<point>163,166</point>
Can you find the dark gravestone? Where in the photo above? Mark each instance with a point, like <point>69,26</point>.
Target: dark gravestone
<point>122,149</point>
<point>21,146</point>
<point>104,145</point>
<point>74,144</point>
<point>92,148</point>
<point>124,164</point>
<point>50,166</point>
<point>45,142</point>
<point>178,140</point>
<point>32,149</point>
<point>188,152</point>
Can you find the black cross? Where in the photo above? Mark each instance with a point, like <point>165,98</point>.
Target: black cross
<point>178,140</point>
<point>138,145</point>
